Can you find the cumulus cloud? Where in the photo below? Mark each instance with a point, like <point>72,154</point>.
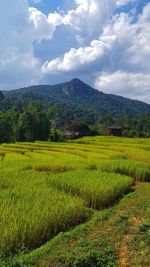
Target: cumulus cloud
<point>76,58</point>
<point>107,47</point>
<point>87,20</point>
<point>43,26</point>
<point>131,85</point>
<point>122,49</point>
<point>89,16</point>
<point>130,75</point>
<point>20,27</point>
<point>16,45</point>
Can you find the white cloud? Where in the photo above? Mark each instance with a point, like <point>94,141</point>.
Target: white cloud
<point>43,26</point>
<point>88,20</point>
<point>140,49</point>
<point>130,74</point>
<point>112,36</point>
<point>131,85</point>
<point>106,48</point>
<point>122,49</point>
<point>76,58</point>
<point>17,60</point>
<point>20,27</point>
<point>124,2</point>
<point>89,16</point>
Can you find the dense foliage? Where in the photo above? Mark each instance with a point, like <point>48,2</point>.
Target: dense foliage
<point>30,124</point>
<point>46,112</point>
<point>76,96</point>
<point>33,122</point>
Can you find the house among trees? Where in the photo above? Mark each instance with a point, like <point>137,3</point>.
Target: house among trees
<point>69,135</point>
<point>115,130</point>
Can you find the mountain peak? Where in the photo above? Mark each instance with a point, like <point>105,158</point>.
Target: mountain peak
<point>76,81</point>
<point>80,95</point>
<point>77,88</point>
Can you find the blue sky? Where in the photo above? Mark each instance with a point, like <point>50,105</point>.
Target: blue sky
<point>47,6</point>
<point>133,4</point>
<point>104,43</point>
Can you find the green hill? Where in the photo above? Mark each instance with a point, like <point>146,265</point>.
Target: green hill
<point>76,95</point>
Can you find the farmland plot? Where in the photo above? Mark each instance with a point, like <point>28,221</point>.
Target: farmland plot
<point>46,188</point>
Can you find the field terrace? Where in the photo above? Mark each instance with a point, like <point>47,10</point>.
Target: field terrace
<point>48,188</point>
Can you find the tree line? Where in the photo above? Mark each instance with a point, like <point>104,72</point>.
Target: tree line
<point>33,122</point>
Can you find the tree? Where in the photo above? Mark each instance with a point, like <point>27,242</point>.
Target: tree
<point>33,124</point>
<point>56,135</point>
<point>5,127</point>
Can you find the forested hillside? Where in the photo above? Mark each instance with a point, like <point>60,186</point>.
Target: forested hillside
<point>74,94</point>
<point>43,112</point>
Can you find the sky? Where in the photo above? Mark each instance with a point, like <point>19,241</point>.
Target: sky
<point>105,43</point>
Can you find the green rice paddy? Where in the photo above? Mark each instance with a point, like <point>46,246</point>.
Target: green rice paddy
<point>47,188</point>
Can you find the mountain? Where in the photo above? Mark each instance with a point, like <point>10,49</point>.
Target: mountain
<point>75,97</point>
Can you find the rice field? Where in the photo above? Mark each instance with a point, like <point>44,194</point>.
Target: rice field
<point>32,212</point>
<point>47,188</point>
<point>97,189</point>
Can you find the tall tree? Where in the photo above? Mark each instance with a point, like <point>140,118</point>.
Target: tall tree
<point>33,123</point>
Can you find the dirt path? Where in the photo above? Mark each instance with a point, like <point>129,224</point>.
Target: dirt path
<point>124,251</point>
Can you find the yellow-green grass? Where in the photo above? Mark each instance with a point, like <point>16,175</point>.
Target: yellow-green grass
<point>32,212</point>
<point>106,153</point>
<point>140,171</point>
<point>45,187</point>
<point>97,189</point>
<point>122,233</point>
